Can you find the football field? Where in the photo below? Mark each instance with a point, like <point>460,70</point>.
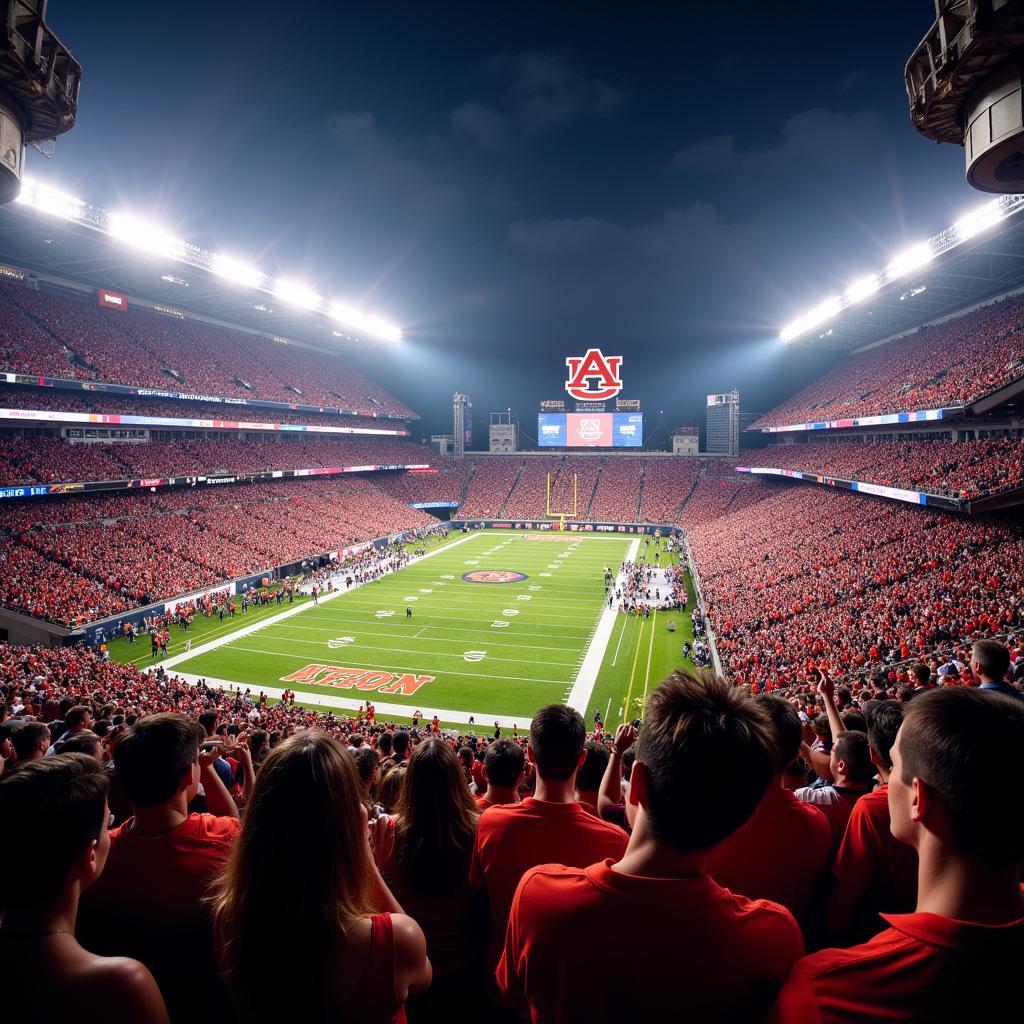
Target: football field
<point>490,625</point>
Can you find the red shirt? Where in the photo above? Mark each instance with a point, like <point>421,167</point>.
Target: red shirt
<point>594,945</point>
<point>874,863</point>
<point>512,838</point>
<point>781,854</point>
<point>923,968</point>
<point>836,803</point>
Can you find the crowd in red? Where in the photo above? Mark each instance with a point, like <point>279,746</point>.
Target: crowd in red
<point>617,489</point>
<point>719,489</point>
<point>948,364</point>
<point>805,575</point>
<point>57,562</point>
<point>962,469</point>
<point>63,335</point>
<point>34,459</point>
<point>667,484</point>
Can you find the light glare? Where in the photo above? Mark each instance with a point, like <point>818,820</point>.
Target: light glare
<point>142,235</point>
<point>909,260</point>
<point>296,294</point>
<point>812,318</point>
<point>50,200</point>
<point>862,288</point>
<point>345,313</point>
<point>236,271</point>
<point>981,219</point>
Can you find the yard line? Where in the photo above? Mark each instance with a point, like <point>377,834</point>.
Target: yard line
<point>622,633</point>
<point>650,649</point>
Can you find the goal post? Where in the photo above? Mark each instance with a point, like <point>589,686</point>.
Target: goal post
<point>565,514</point>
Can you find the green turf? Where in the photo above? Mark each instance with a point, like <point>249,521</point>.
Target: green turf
<point>531,661</point>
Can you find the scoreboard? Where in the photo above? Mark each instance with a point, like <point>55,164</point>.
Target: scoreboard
<point>590,430</point>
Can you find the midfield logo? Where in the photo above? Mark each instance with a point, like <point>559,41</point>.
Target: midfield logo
<point>594,366</point>
<point>406,683</point>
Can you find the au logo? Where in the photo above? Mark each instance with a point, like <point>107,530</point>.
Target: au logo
<point>596,367</point>
<point>494,576</point>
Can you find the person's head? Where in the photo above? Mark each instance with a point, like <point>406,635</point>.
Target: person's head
<point>390,786</point>
<point>822,729</point>
<point>259,744</point>
<point>368,766</point>
<point>883,724</point>
<point>990,660</point>
<point>6,746</point>
<point>79,718</point>
<point>504,764</point>
<point>436,818</point>
<point>596,757</point>
<point>400,744</point>
<point>82,743</point>
<point>208,720</point>
<point>786,726</point>
<point>850,759</point>
<point>704,758</point>
<point>854,720</point>
<point>384,745</point>
<point>557,734</point>
<point>54,812</point>
<point>954,760</point>
<point>919,675</point>
<point>157,759</point>
<point>31,740</point>
<point>325,865</point>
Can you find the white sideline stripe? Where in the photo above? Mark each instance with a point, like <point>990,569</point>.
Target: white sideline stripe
<point>484,720</point>
<point>212,645</point>
<point>579,696</point>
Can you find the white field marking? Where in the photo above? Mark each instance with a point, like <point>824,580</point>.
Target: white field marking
<point>535,613</point>
<point>366,650</point>
<point>212,645</point>
<point>586,680</point>
<point>650,649</point>
<point>378,634</point>
<point>619,644</point>
<point>484,719</point>
<point>415,671</point>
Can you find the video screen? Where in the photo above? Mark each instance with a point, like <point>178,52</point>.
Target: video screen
<point>590,429</point>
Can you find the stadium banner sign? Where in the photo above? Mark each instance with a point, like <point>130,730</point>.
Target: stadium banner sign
<point>627,404</point>
<point>433,504</point>
<point>594,377</point>
<point>919,416</point>
<point>665,529</point>
<point>552,405</point>
<point>893,493</point>
<point>112,300</point>
<point>123,420</point>
<point>151,483</point>
<point>590,430</point>
<point>105,387</point>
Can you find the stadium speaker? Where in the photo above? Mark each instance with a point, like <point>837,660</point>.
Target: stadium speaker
<point>39,81</point>
<point>965,82</point>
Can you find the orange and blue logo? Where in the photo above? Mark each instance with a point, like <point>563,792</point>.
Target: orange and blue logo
<point>494,576</point>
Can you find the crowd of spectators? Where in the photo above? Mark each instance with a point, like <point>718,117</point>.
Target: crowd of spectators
<point>667,484</point>
<point>807,575</point>
<point>528,498</point>
<point>949,364</point>
<point>491,480</point>
<point>960,469</point>
<point>76,559</point>
<point>719,489</point>
<point>76,338</point>
<point>615,499</point>
<point>443,484</point>
<point>34,459</point>
<point>819,854</point>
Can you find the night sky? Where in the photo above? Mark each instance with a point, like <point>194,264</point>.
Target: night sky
<point>513,183</point>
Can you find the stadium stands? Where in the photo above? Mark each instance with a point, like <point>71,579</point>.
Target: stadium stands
<point>949,364</point>
<point>490,482</point>
<point>617,490</point>
<point>965,469</point>
<point>529,496</point>
<point>805,575</point>
<point>667,484</point>
<point>73,337</point>
<point>719,489</point>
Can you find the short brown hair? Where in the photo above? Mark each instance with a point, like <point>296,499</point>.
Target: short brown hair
<point>151,755</point>
<point>993,658</point>
<point>710,755</point>
<point>557,734</point>
<point>965,744</point>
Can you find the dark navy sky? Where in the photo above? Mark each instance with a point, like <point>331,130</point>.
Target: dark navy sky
<point>513,183</point>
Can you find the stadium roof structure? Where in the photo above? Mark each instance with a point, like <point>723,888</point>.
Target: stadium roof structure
<point>50,233</point>
<point>976,260</point>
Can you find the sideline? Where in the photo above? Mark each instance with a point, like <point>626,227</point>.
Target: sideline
<point>586,680</point>
<point>212,645</point>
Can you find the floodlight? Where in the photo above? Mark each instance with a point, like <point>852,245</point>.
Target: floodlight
<point>812,318</point>
<point>981,219</point>
<point>142,235</point>
<point>296,294</point>
<point>347,314</point>
<point>909,260</point>
<point>236,271</point>
<point>863,288</point>
<point>50,200</point>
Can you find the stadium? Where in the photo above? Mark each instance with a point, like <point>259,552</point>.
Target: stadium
<point>284,627</point>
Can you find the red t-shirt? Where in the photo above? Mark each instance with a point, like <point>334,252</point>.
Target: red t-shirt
<point>781,854</point>
<point>923,968</point>
<point>595,945</point>
<point>836,803</point>
<point>874,863</point>
<point>512,838</point>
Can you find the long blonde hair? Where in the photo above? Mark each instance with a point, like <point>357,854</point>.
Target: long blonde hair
<point>298,876</point>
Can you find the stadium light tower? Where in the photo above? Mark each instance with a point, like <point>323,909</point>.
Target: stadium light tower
<point>965,82</point>
<point>39,81</point>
